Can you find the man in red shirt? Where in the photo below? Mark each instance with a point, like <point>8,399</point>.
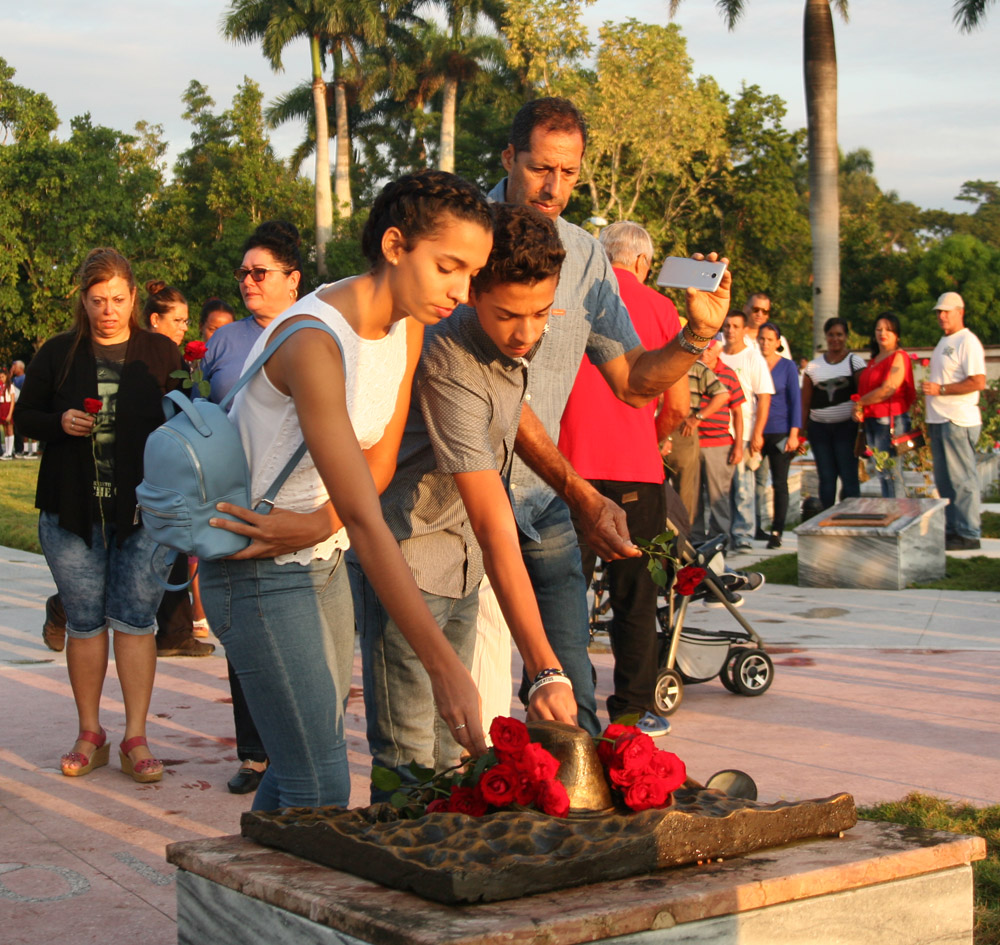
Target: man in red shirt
<point>615,447</point>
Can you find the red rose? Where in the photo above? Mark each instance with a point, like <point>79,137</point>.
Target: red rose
<point>93,405</point>
<point>509,737</point>
<point>913,356</point>
<point>868,453</point>
<point>552,798</point>
<point>536,763</point>
<point>606,745</point>
<point>633,751</point>
<point>195,350</point>
<point>438,806</point>
<point>925,362</point>
<point>688,578</point>
<point>623,777</point>
<point>855,397</point>
<point>668,768</point>
<point>467,800</point>
<point>647,792</point>
<point>526,790</point>
<point>499,784</point>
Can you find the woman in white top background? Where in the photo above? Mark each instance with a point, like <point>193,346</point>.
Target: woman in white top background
<point>287,622</point>
<point>827,386</point>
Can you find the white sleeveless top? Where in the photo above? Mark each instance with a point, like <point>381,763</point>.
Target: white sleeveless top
<point>269,426</point>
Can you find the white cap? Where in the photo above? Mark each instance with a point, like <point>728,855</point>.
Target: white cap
<point>949,301</point>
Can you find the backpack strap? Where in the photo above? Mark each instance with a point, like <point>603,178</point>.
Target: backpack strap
<point>273,346</point>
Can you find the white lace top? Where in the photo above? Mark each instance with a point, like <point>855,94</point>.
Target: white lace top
<point>269,426</point>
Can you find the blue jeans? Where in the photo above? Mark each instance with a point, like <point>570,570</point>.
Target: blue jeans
<point>953,449</point>
<point>761,477</point>
<point>556,574</point>
<point>288,631</point>
<point>403,721</point>
<point>741,502</point>
<point>878,436</point>
<point>832,447</point>
<point>103,586</point>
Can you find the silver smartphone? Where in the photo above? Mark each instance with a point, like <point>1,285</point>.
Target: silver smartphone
<point>684,273</point>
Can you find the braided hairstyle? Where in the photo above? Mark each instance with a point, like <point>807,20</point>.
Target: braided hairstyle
<point>526,248</point>
<point>414,205</point>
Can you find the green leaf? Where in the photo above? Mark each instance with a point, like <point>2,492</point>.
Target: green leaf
<point>629,718</point>
<point>422,774</point>
<point>385,779</point>
<point>399,800</point>
<point>180,373</point>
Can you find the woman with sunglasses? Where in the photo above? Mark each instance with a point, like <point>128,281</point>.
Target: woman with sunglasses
<point>269,277</point>
<point>287,621</point>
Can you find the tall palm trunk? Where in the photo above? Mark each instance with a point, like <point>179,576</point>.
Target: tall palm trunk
<point>820,58</point>
<point>450,98</point>
<point>324,199</point>
<point>342,176</point>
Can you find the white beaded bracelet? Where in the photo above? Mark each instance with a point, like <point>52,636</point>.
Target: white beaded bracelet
<point>545,680</point>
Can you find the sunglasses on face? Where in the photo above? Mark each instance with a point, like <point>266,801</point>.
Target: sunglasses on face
<point>755,310</point>
<point>257,273</point>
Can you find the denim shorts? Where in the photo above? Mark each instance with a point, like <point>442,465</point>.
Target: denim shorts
<point>104,585</point>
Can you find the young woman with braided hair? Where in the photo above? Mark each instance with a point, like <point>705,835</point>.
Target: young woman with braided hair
<point>287,621</point>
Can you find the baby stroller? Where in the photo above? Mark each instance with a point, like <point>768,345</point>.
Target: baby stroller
<point>689,655</point>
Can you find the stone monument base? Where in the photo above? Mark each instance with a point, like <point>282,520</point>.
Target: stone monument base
<point>878,883</point>
<point>909,548</point>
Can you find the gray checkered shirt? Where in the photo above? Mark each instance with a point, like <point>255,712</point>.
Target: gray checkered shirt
<point>589,316</point>
<point>463,418</point>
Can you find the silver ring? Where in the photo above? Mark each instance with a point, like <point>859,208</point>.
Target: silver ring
<point>457,727</point>
<point>72,421</point>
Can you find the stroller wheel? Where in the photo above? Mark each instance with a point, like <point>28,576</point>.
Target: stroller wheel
<point>668,691</point>
<point>726,673</point>
<point>753,672</point>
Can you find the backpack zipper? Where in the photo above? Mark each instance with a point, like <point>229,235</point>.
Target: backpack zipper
<point>192,455</point>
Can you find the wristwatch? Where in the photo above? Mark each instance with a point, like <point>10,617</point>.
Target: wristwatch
<point>689,346</point>
<point>697,415</point>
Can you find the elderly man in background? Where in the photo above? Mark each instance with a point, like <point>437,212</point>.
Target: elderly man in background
<point>615,447</point>
<point>957,375</point>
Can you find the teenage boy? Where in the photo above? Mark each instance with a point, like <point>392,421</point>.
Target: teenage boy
<point>447,503</point>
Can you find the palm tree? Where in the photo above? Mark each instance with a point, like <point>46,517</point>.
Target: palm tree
<point>333,26</point>
<point>970,14</point>
<point>820,63</point>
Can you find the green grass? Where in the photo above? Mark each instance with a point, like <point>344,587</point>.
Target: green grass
<point>978,573</point>
<point>922,810</point>
<point>990,524</point>
<point>18,516</point>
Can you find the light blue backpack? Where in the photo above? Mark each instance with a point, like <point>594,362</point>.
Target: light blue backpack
<point>195,460</point>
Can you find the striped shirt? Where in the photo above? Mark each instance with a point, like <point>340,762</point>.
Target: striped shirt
<point>589,316</point>
<point>703,385</point>
<point>716,429</point>
<point>463,418</point>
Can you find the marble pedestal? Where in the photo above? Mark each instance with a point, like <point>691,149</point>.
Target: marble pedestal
<point>908,549</point>
<point>878,883</point>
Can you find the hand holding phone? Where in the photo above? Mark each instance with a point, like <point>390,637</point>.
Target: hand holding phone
<point>684,273</point>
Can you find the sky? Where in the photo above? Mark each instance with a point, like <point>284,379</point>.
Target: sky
<point>917,93</point>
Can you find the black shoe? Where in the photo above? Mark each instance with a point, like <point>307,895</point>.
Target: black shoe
<point>775,540</point>
<point>958,543</point>
<point>742,581</point>
<point>245,780</point>
<point>760,535</point>
<point>54,628</point>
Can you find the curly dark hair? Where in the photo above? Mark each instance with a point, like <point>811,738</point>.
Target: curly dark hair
<point>414,205</point>
<point>551,114</point>
<point>526,248</point>
<point>214,304</point>
<point>281,239</point>
<point>160,299</point>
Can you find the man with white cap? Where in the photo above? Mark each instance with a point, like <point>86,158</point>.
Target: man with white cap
<point>958,374</point>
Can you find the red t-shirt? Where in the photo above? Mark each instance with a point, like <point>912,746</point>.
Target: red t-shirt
<point>602,437</point>
<point>875,374</point>
<point>714,430</point>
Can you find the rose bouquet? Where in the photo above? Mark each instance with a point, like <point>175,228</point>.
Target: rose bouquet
<point>518,774</point>
<point>194,351</point>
